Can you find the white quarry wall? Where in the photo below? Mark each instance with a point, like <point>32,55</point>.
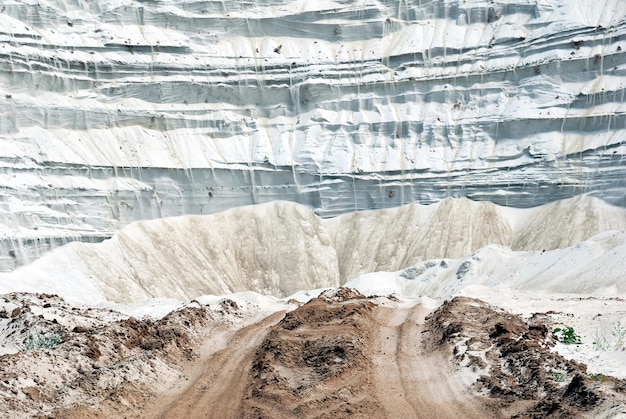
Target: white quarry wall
<point>113,111</point>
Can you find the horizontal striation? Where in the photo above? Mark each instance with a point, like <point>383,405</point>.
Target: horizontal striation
<point>112,112</point>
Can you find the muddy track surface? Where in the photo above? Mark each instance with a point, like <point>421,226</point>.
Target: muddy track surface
<point>340,355</point>
<point>343,355</point>
<point>219,380</point>
<point>413,381</point>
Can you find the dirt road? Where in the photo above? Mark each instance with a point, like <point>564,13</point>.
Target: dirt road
<point>349,358</point>
<point>338,356</point>
<point>413,381</point>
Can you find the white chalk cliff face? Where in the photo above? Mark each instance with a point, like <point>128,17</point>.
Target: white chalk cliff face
<point>113,111</point>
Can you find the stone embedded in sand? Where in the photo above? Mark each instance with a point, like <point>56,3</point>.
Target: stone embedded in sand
<point>16,312</point>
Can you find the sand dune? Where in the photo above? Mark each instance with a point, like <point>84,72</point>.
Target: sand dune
<point>280,248</point>
<point>595,266</point>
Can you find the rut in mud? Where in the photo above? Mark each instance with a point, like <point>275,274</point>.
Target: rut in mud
<point>339,355</point>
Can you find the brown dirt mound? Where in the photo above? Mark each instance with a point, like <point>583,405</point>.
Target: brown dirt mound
<point>316,363</point>
<point>340,355</point>
<point>75,358</point>
<point>517,367</point>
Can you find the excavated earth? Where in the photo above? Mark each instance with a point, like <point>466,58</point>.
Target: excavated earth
<point>339,355</point>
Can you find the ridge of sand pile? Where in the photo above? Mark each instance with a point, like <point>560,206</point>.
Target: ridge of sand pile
<point>340,355</point>
<point>280,248</point>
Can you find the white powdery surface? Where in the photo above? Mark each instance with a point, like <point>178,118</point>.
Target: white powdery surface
<point>121,110</point>
<point>595,266</point>
<point>281,248</point>
<point>275,249</point>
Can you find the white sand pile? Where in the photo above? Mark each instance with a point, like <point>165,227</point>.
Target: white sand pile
<point>275,249</point>
<point>280,248</point>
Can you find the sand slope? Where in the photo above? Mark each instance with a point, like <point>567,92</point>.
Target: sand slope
<point>281,247</point>
<point>595,267</point>
<point>277,249</point>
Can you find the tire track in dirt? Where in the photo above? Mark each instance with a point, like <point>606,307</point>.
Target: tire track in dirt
<point>344,355</point>
<point>390,385</point>
<point>217,392</point>
<point>402,379</point>
<point>412,381</point>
